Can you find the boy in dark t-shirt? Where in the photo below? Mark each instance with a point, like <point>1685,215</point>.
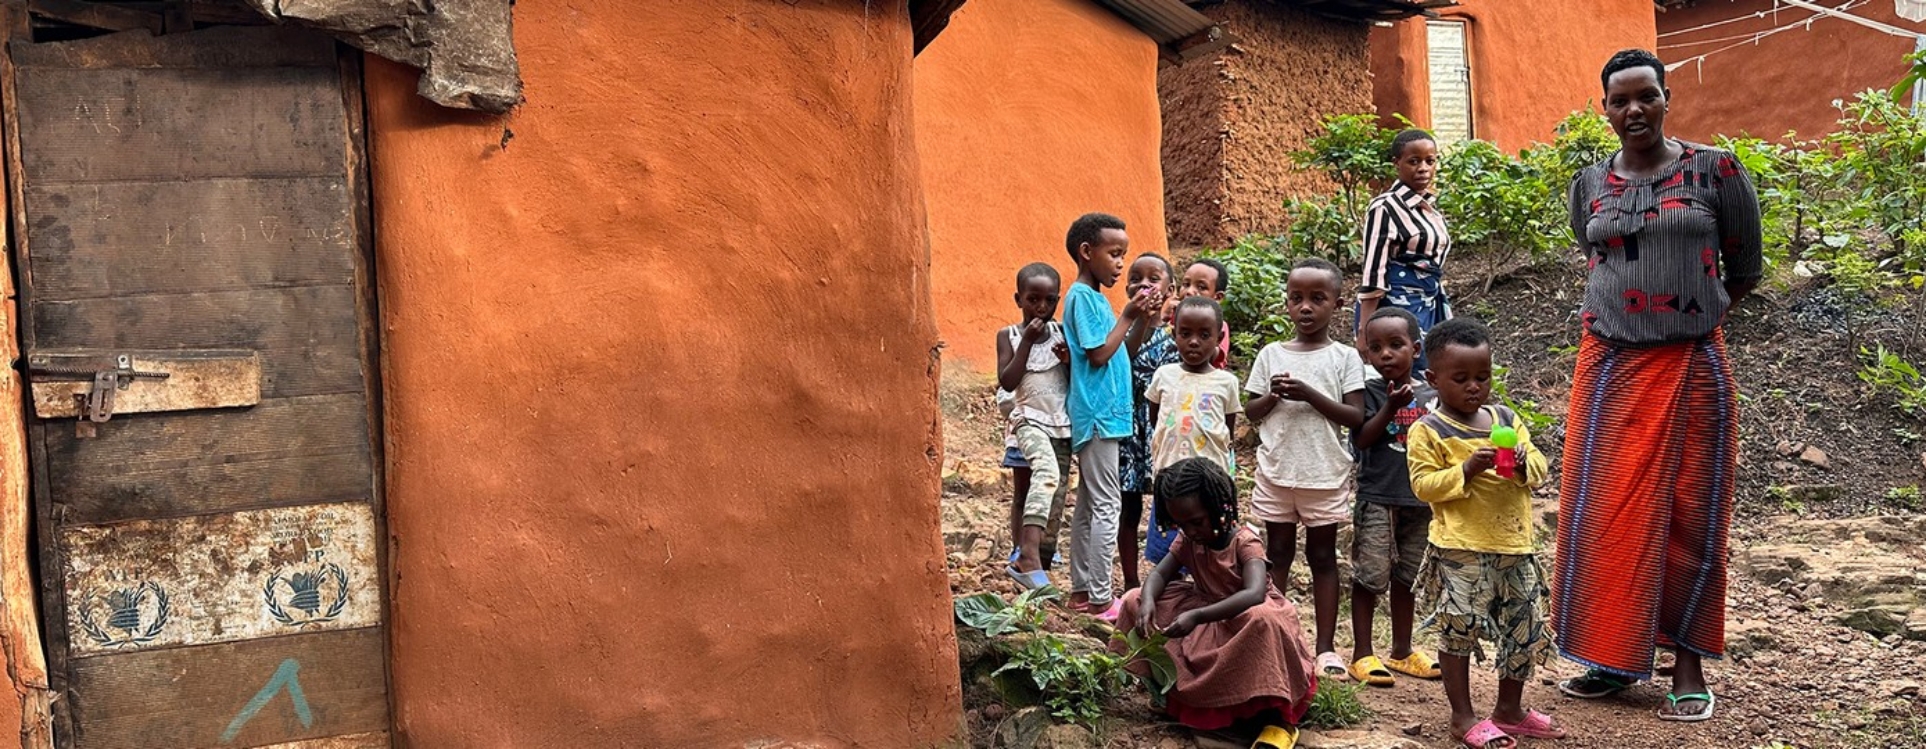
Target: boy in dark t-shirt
<point>1390,524</point>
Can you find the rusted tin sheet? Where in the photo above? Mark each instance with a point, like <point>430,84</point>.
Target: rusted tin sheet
<point>465,50</point>
<point>220,578</point>
<point>195,380</point>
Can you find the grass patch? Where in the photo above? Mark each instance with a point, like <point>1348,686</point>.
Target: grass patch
<point>1336,705</point>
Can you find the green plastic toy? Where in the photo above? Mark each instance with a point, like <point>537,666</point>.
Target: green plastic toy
<point>1506,440</point>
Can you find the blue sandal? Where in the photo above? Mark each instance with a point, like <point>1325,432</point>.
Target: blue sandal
<point>1028,580</point>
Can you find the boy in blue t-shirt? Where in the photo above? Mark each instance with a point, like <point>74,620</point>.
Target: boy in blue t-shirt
<point>1100,405</point>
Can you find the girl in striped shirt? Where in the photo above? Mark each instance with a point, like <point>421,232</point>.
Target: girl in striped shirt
<point>1405,241</point>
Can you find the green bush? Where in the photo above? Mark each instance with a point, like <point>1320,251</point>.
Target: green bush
<point>1354,152</point>
<point>1881,146</point>
<point>1502,209</point>
<point>1254,302</point>
<point>1889,373</point>
<point>1321,228</point>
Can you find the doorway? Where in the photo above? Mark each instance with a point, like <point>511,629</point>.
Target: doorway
<point>196,321</point>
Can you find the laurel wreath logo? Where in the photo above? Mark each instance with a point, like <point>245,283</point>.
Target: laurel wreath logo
<point>124,613</point>
<point>305,595</point>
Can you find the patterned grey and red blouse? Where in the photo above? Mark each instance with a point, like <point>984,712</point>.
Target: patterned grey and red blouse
<point>1662,249</point>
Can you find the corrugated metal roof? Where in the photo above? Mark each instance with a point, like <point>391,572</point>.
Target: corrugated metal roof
<point>1166,21</point>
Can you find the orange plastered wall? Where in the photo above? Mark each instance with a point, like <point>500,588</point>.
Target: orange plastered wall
<point>1786,81</point>
<point>660,387</point>
<point>1531,63</point>
<point>1030,113</point>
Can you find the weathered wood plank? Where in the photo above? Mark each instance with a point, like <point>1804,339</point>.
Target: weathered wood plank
<point>96,15</point>
<point>189,697</point>
<point>195,380</point>
<point>224,48</point>
<point>376,740</point>
<point>202,580</point>
<point>119,238</point>
<point>180,124</point>
<point>306,334</point>
<point>280,453</point>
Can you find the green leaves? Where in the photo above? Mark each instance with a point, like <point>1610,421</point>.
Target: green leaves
<point>1075,686</point>
<point>1254,302</point>
<point>1888,372</point>
<point>989,612</point>
<point>1912,77</point>
<point>1162,669</point>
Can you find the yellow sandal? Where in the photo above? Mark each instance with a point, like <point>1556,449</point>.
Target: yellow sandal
<point>1416,664</point>
<point>1276,737</point>
<point>1370,670</point>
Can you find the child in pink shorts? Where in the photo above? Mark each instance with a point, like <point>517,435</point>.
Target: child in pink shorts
<point>1306,391</point>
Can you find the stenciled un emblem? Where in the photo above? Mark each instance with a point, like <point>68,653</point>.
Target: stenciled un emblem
<point>125,616</point>
<point>307,597</point>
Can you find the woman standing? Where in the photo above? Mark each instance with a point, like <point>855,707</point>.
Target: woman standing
<point>1405,241</point>
<point>1672,233</point>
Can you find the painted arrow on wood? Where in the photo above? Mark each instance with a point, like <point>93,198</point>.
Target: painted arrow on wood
<point>287,676</point>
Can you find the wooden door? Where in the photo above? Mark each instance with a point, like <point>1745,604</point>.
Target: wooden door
<point>193,205</point>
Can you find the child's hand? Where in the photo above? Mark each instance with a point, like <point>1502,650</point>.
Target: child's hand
<point>1146,613</point>
<point>1186,622</point>
<point>1278,381</point>
<point>1480,461</point>
<point>1290,388</point>
<point>1036,331</point>
<point>1144,304</point>
<point>1062,350</point>
<point>1398,397</point>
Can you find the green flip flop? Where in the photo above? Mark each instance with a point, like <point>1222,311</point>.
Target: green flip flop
<point>1711,703</point>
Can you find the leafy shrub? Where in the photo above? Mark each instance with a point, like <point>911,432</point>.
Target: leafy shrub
<point>1322,228</point>
<point>1881,147</point>
<point>1254,302</point>
<point>1580,140</point>
<point>1889,373</point>
<point>1354,152</point>
<point>1075,686</point>
<point>1501,208</point>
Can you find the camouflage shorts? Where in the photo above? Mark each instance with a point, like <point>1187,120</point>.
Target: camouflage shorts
<point>1477,597</point>
<point>1387,545</point>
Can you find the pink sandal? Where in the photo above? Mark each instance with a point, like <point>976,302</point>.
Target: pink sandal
<point>1109,614</point>
<point>1482,735</point>
<point>1536,725</point>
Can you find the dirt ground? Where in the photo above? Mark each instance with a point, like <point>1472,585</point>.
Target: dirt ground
<point>1794,674</point>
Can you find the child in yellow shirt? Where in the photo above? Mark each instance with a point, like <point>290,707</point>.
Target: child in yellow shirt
<point>1480,578</point>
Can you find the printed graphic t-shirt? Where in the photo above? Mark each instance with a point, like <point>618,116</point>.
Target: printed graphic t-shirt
<point>1191,415</point>
<point>1383,476</point>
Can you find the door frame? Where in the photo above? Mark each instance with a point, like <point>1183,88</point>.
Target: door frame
<point>31,601</point>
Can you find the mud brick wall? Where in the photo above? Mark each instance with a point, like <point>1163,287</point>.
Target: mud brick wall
<point>1231,123</point>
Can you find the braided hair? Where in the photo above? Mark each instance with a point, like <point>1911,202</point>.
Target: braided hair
<point>1204,479</point>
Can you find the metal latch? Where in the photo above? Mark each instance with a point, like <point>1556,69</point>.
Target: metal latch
<point>97,404</point>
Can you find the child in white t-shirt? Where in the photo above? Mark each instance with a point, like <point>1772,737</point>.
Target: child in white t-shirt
<point>1307,392</point>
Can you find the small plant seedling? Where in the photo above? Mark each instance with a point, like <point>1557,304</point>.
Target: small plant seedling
<point>989,612</point>
<point>1906,497</point>
<point>1336,705</point>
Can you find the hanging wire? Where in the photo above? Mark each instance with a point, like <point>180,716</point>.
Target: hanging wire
<point>1805,23</point>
